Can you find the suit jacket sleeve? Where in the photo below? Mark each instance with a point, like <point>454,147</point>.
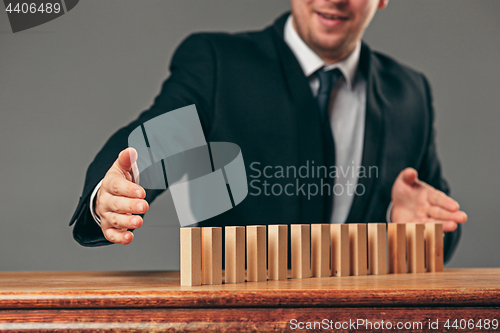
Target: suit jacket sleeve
<point>191,82</point>
<point>430,172</point>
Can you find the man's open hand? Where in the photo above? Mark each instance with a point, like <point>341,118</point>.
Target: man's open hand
<point>119,199</point>
<point>416,201</point>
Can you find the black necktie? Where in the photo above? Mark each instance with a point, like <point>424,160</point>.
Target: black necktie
<point>327,81</point>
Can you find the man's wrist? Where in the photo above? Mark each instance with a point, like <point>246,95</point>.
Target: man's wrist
<point>97,219</point>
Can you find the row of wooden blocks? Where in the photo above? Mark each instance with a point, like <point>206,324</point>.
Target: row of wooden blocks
<point>317,250</point>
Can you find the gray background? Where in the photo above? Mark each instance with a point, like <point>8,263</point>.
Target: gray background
<point>67,85</point>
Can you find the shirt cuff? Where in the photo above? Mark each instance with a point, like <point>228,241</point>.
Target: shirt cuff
<point>389,212</point>
<point>91,205</point>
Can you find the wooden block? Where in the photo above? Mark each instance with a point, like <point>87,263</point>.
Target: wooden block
<point>235,254</point>
<point>211,255</point>
<point>256,253</point>
<point>340,249</point>
<point>415,247</point>
<point>277,252</point>
<point>300,238</point>
<point>190,256</point>
<point>397,247</point>
<point>377,248</point>
<point>434,247</point>
<point>320,250</point>
<point>357,249</point>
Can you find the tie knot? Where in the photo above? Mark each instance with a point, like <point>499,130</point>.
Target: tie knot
<point>327,79</point>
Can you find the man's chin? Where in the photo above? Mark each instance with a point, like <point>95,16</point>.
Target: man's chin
<point>330,44</point>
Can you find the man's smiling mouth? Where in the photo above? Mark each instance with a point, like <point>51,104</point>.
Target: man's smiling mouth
<point>332,16</point>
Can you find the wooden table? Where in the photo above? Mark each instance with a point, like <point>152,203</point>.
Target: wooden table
<point>155,301</point>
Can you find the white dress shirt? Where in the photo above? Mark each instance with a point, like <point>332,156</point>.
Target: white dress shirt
<point>347,119</point>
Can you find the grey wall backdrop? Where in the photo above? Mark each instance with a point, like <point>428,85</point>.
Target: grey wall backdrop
<point>67,85</point>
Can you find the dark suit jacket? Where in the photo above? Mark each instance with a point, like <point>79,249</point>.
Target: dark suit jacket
<point>250,90</point>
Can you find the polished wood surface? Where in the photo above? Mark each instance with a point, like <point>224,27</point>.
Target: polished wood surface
<point>233,320</point>
<point>148,301</point>
<point>467,287</point>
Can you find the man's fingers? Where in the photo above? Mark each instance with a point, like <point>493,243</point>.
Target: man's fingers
<point>409,176</point>
<point>438,198</point>
<point>119,186</point>
<point>439,213</point>
<point>121,221</point>
<point>118,236</point>
<point>448,226</point>
<point>126,158</point>
<point>122,205</point>
<point>119,200</point>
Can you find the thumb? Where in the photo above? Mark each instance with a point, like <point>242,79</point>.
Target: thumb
<point>409,176</point>
<point>126,159</point>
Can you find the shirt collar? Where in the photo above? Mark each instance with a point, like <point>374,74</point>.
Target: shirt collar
<point>311,62</point>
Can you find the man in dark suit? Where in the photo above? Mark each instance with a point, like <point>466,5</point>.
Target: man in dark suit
<point>305,91</point>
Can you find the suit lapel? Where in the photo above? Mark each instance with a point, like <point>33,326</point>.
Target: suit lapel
<point>307,117</point>
<point>373,138</point>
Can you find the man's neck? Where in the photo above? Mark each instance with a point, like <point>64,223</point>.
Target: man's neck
<point>333,57</point>
<point>310,61</point>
